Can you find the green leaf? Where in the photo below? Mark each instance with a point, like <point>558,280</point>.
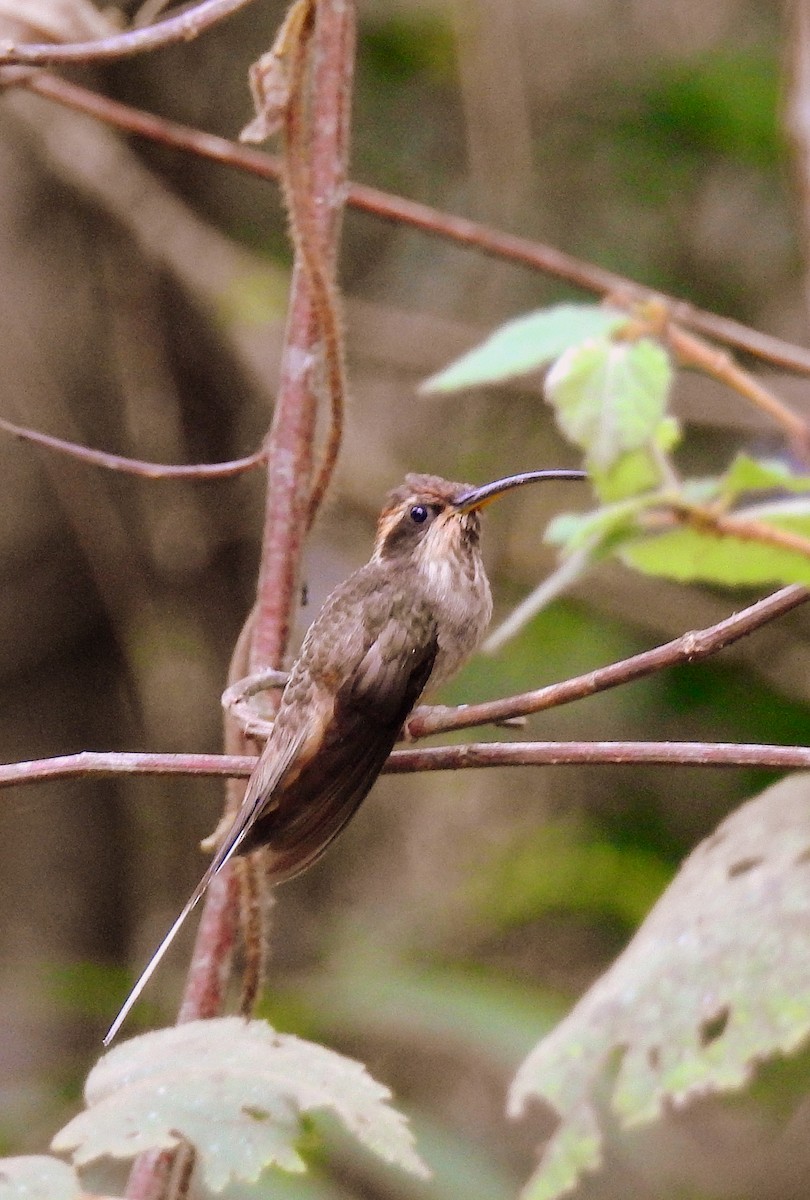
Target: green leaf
<point>38,1177</point>
<point>630,475</point>
<point>748,474</point>
<point>526,344</point>
<point>637,471</point>
<point>236,1090</point>
<point>716,981</point>
<point>690,554</point>
<point>597,530</point>
<point>610,397</point>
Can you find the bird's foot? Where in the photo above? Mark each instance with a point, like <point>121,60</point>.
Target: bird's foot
<point>238,701</point>
<point>214,840</point>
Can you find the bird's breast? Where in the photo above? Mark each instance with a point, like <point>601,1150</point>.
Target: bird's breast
<point>462,602</point>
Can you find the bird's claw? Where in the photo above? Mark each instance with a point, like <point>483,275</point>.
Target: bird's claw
<point>237,700</point>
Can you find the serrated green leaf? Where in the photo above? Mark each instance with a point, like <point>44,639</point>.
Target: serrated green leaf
<point>690,554</point>
<point>715,982</point>
<point>236,1090</point>
<point>747,474</point>
<point>526,344</point>
<point>610,397</point>
<point>38,1177</point>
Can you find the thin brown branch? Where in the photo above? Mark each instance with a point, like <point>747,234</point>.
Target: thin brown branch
<point>136,466</point>
<point>113,762</point>
<point>151,1175</point>
<point>182,28</point>
<point>300,188</point>
<point>694,352</point>
<point>560,754</point>
<point>210,965</point>
<point>289,473</point>
<point>428,758</point>
<point>728,525</point>
<point>690,647</point>
<point>535,255</point>
<point>318,254</point>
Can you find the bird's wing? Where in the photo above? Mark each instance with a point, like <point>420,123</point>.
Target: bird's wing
<point>263,781</point>
<point>365,718</point>
<point>317,768</point>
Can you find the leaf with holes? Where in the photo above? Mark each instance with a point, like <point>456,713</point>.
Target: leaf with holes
<point>237,1091</point>
<point>610,397</point>
<point>715,981</point>
<point>38,1177</point>
<point>526,344</point>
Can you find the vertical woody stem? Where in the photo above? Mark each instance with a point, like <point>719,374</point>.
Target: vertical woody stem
<point>290,458</point>
<point>289,482</point>
<point>290,464</point>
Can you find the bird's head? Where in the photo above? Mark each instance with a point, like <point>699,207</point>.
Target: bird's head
<point>429,519</point>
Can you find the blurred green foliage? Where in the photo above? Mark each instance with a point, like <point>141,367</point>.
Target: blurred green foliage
<point>724,104</point>
<point>569,866</point>
<point>398,49</point>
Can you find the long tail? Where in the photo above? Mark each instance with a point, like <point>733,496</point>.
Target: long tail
<point>233,841</point>
<point>226,851</point>
<point>261,786</point>
<point>155,960</point>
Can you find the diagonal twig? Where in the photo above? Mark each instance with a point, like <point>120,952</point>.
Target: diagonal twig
<point>690,647</point>
<point>535,255</point>
<point>182,28</point>
<point>136,466</point>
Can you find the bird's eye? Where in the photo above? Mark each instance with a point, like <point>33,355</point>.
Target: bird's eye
<point>419,514</point>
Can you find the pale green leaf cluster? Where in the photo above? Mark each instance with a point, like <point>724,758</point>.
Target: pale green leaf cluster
<point>610,397</point>
<point>609,386</point>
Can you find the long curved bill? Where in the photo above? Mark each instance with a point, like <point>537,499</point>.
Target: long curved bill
<point>478,497</point>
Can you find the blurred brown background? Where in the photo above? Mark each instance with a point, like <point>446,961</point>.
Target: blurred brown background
<point>142,302</point>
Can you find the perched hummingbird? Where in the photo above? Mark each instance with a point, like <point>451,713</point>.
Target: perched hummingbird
<point>408,619</point>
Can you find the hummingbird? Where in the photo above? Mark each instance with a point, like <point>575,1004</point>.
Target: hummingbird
<point>404,622</point>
